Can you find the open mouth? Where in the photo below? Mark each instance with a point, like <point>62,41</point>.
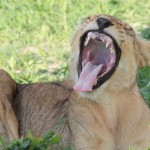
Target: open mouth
<point>99,57</point>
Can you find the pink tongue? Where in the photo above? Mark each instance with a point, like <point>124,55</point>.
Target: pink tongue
<point>87,77</point>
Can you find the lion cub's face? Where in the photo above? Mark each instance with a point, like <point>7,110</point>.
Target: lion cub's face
<point>103,55</point>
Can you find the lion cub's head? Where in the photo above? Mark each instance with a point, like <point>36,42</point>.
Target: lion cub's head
<point>106,54</point>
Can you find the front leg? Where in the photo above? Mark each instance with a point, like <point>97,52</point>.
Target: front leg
<point>91,126</point>
<point>85,139</point>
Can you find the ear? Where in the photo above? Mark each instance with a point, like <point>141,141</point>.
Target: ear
<point>143,47</point>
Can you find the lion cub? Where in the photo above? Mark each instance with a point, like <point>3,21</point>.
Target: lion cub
<point>107,110</point>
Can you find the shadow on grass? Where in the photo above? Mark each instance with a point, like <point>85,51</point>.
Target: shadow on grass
<point>143,76</point>
<point>146,33</point>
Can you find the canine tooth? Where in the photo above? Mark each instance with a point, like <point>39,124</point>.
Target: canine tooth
<point>89,36</point>
<point>107,44</point>
<point>87,41</point>
<point>85,44</point>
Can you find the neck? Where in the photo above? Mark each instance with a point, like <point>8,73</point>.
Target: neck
<point>111,114</point>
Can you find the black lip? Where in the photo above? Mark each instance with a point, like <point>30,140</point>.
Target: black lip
<point>104,78</point>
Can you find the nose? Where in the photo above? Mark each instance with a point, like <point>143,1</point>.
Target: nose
<point>103,23</point>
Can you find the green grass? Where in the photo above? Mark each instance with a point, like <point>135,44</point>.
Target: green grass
<point>35,35</point>
<point>47,142</point>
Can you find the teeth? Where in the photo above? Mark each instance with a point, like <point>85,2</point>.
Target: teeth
<point>101,38</point>
<point>89,36</point>
<point>102,74</point>
<point>107,40</point>
<point>112,50</point>
<point>107,44</point>
<point>87,41</point>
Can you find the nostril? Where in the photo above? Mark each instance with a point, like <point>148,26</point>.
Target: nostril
<point>103,23</point>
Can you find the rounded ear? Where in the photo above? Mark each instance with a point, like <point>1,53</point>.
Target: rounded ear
<point>144,52</point>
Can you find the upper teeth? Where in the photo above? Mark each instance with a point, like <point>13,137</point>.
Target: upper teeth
<point>112,50</point>
<point>89,36</point>
<point>99,36</point>
<point>107,44</point>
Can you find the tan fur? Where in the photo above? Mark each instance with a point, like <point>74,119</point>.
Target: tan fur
<point>112,117</point>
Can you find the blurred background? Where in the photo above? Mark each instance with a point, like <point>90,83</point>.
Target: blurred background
<point>35,35</point>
